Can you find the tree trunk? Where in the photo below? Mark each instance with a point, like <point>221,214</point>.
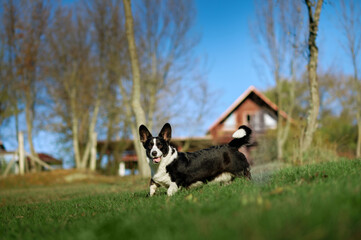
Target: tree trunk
<point>21,153</point>
<point>93,152</point>
<point>74,123</point>
<point>136,141</point>
<point>280,129</point>
<point>29,125</point>
<point>358,101</point>
<point>86,154</point>
<point>135,101</point>
<point>312,122</point>
<point>358,147</point>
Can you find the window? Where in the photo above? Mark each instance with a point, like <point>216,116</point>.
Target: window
<point>249,119</point>
<point>230,123</point>
<point>254,120</point>
<point>270,122</point>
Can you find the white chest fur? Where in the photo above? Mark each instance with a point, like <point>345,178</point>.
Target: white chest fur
<point>159,172</point>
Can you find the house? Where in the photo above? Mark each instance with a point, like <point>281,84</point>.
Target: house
<point>48,159</point>
<point>10,159</point>
<point>253,109</point>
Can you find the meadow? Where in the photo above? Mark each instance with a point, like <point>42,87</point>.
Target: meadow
<point>316,201</point>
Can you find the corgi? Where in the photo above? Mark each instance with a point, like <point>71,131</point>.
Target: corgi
<point>175,170</point>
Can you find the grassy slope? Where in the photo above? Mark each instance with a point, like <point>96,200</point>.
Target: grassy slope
<point>320,201</point>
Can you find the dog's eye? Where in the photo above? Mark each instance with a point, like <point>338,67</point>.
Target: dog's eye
<point>160,145</point>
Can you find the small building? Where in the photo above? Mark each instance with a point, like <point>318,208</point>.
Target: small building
<point>253,109</point>
<point>6,157</point>
<point>48,159</point>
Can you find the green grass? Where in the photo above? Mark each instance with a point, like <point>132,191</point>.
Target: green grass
<point>320,201</point>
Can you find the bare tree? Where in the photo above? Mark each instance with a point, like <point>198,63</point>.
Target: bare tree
<point>10,101</point>
<point>279,34</point>
<point>25,23</point>
<point>109,39</point>
<point>314,12</point>
<point>166,46</point>
<point>349,17</point>
<point>74,82</point>
<point>33,26</point>
<point>166,59</point>
<point>171,74</point>
<point>135,101</point>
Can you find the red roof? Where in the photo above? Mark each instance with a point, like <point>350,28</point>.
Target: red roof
<point>240,99</point>
<point>130,158</point>
<point>48,159</point>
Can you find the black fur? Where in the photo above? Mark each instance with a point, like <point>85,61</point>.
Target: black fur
<point>203,165</point>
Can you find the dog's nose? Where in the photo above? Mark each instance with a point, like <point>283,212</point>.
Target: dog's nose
<point>154,153</point>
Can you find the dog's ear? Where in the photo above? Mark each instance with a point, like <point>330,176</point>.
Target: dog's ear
<point>166,132</point>
<point>144,133</point>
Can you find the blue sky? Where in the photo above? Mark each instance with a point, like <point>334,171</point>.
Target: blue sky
<point>225,27</point>
<point>228,45</point>
<point>226,41</point>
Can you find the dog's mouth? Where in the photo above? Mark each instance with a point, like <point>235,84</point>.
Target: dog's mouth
<point>156,160</point>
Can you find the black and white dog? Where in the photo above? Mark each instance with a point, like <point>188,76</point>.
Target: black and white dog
<point>174,170</point>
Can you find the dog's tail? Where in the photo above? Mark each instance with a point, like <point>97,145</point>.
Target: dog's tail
<point>240,137</point>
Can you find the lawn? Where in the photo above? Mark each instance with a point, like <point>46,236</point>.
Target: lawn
<point>318,201</point>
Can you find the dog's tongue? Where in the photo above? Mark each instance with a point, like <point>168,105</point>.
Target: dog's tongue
<point>156,160</point>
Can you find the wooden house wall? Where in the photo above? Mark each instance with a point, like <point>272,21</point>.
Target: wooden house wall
<point>221,135</point>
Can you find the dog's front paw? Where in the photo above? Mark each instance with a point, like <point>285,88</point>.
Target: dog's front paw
<point>173,188</point>
<point>152,189</point>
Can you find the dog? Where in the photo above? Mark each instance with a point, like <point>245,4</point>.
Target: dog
<point>175,170</point>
